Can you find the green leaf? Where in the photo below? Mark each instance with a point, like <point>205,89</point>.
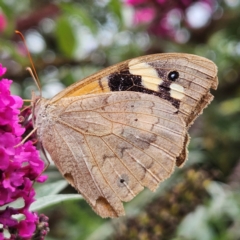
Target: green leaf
<point>50,200</point>
<point>195,226</point>
<point>230,106</point>
<point>50,188</point>
<point>65,35</point>
<point>116,7</point>
<point>80,13</point>
<point>18,203</point>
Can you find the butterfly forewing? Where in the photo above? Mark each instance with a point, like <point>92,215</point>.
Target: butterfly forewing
<point>189,92</point>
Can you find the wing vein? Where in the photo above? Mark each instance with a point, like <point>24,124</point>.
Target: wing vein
<point>141,149</point>
<point>114,169</point>
<point>154,176</point>
<point>77,161</point>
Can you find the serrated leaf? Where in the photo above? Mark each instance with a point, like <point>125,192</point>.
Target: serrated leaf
<point>65,36</point>
<point>50,200</point>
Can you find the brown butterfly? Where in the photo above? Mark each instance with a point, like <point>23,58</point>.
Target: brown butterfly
<point>125,127</point>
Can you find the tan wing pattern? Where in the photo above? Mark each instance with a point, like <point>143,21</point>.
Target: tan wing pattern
<point>110,146</point>
<point>189,92</point>
<point>197,75</point>
<point>125,127</point>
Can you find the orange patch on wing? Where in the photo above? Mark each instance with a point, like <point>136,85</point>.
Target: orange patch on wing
<point>90,87</point>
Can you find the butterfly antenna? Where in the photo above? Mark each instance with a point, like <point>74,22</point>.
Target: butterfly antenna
<point>32,70</point>
<point>36,80</point>
<point>25,139</point>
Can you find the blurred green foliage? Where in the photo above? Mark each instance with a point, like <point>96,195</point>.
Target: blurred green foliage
<point>72,39</point>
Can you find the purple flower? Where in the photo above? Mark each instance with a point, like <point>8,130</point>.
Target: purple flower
<point>171,18</point>
<point>19,167</point>
<point>3,22</point>
<point>144,15</point>
<point>28,226</point>
<point>6,217</point>
<point>135,2</point>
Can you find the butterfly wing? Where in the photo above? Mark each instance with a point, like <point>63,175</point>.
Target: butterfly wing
<point>110,146</point>
<point>184,80</point>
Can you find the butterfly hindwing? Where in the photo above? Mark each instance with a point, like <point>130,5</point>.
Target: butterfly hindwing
<point>137,141</point>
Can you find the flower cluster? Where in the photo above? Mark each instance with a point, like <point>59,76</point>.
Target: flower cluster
<point>19,167</point>
<point>3,22</point>
<point>170,18</point>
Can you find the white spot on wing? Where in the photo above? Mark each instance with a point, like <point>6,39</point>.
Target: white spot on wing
<point>177,91</point>
<point>150,78</point>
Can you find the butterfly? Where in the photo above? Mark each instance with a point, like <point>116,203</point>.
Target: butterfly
<point>125,127</point>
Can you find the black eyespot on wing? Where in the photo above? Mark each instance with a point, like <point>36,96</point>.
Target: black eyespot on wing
<point>122,180</point>
<point>125,81</point>
<point>173,75</point>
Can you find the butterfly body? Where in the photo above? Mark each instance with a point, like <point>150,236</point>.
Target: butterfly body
<point>125,128</point>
